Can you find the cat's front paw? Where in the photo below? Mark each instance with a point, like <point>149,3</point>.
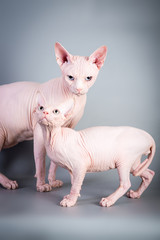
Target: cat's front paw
<point>106,202</point>
<point>55,183</point>
<point>44,188</point>
<point>68,201</point>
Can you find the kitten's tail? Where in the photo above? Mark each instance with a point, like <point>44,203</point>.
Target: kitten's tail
<point>145,164</point>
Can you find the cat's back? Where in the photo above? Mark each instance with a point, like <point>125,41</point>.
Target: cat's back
<point>114,137</point>
<point>101,132</point>
<point>16,98</point>
<point>98,138</point>
<point>12,90</point>
<point>15,103</point>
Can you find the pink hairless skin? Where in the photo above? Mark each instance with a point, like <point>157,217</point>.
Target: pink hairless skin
<point>78,75</point>
<point>95,149</point>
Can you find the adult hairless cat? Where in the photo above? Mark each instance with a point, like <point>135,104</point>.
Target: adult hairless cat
<point>95,149</point>
<point>17,104</point>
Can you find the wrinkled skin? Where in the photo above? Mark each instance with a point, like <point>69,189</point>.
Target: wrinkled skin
<point>95,149</point>
<point>17,104</point>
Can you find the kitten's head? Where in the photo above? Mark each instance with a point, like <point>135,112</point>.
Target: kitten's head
<point>80,72</point>
<point>53,116</point>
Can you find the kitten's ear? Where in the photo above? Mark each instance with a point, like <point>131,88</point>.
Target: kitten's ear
<point>40,99</point>
<point>67,107</point>
<point>62,55</point>
<point>98,57</point>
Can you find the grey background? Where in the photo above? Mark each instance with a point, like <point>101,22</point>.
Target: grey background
<point>126,93</point>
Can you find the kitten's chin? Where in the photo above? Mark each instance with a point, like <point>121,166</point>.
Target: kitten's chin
<point>44,122</point>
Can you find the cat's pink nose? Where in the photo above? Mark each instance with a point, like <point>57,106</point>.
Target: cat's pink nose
<point>45,113</point>
<point>79,90</point>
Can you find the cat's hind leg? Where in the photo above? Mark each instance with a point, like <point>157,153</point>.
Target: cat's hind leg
<point>4,181</point>
<point>121,190</point>
<point>7,183</point>
<point>147,177</point>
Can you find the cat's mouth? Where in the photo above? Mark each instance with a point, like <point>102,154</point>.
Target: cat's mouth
<point>79,93</point>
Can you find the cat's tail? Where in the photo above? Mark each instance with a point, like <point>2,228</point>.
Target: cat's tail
<point>145,164</point>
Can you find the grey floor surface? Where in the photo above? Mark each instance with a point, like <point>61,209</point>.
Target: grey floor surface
<point>27,214</point>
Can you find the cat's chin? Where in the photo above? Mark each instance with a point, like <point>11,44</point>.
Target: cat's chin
<point>79,94</point>
<point>44,122</point>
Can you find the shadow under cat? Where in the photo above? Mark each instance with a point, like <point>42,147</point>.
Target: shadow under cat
<point>18,161</point>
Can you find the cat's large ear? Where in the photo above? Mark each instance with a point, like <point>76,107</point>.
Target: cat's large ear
<point>67,107</point>
<point>62,55</point>
<point>98,57</point>
<point>40,99</point>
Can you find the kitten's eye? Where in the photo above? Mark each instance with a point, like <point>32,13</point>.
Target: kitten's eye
<point>71,77</point>
<point>41,108</point>
<point>88,78</point>
<point>56,111</point>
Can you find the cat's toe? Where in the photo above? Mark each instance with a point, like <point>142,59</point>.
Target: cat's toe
<point>66,202</point>
<point>44,188</point>
<point>106,202</point>
<point>14,184</point>
<point>11,185</point>
<point>56,183</point>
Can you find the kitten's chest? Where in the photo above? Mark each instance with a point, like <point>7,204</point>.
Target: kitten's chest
<point>61,149</point>
<point>57,150</point>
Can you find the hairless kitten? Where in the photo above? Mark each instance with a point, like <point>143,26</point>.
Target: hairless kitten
<point>95,149</point>
<point>17,104</point>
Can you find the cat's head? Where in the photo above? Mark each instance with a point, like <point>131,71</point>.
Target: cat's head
<point>79,72</point>
<point>50,115</point>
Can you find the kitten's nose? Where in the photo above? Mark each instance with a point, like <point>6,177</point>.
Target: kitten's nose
<point>45,113</point>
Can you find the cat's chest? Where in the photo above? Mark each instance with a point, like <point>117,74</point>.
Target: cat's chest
<point>56,147</point>
<point>61,148</point>
<point>78,110</point>
<point>57,153</point>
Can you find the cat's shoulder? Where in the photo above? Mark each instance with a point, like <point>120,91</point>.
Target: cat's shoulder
<point>52,81</point>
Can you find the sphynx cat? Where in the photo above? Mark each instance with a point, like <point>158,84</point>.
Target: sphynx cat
<point>17,104</point>
<point>95,149</point>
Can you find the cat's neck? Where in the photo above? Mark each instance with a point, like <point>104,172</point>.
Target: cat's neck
<point>50,129</point>
<point>65,86</point>
<point>49,132</point>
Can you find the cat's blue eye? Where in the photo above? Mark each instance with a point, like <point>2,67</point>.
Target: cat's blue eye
<point>89,78</point>
<point>41,108</point>
<point>71,77</point>
<point>56,111</point>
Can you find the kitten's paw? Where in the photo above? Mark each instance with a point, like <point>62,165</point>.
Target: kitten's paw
<point>106,202</point>
<point>44,188</point>
<point>56,183</point>
<point>133,194</point>
<point>9,184</point>
<point>68,202</point>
